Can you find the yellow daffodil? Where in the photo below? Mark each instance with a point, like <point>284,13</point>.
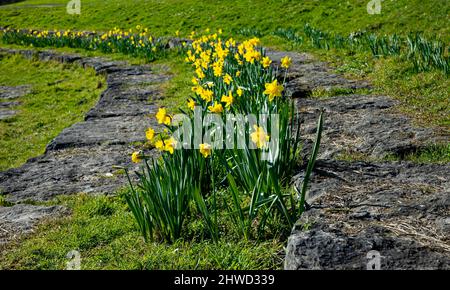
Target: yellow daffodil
<point>205,149</point>
<point>238,73</point>
<point>218,69</point>
<point>227,79</point>
<point>159,145</point>
<point>136,157</point>
<point>200,73</point>
<point>162,116</point>
<point>273,90</point>
<point>286,62</point>
<point>217,108</point>
<point>266,61</point>
<point>259,137</point>
<point>149,134</point>
<point>206,94</point>
<point>251,55</point>
<point>239,92</point>
<point>228,100</point>
<point>169,145</point>
<point>191,104</point>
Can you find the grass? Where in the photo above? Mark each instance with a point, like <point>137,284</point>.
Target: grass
<point>104,231</point>
<point>178,89</point>
<point>425,95</point>
<point>60,96</point>
<point>165,17</point>
<point>433,153</point>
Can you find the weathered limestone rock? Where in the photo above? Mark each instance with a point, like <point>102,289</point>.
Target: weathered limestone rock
<point>21,218</point>
<point>364,125</point>
<point>7,94</point>
<point>399,209</point>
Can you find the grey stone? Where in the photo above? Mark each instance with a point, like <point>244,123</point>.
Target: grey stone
<point>307,74</point>
<point>357,207</point>
<point>90,169</point>
<point>5,114</point>
<point>8,104</point>
<point>20,219</point>
<point>121,130</point>
<point>363,125</point>
<point>13,92</point>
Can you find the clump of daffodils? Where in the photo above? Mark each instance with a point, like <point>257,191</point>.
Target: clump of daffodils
<point>228,77</point>
<point>136,41</point>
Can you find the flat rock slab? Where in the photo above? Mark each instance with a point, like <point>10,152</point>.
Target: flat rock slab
<point>5,114</point>
<point>121,130</point>
<point>307,74</point>
<point>399,209</point>
<point>22,218</point>
<point>5,109</point>
<point>364,125</point>
<point>8,104</point>
<point>13,92</point>
<point>88,169</point>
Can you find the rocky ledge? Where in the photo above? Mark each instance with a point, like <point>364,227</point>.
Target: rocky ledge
<point>386,215</point>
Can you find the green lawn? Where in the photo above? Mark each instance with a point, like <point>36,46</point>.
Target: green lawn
<point>105,233</point>
<point>60,96</point>
<point>425,95</point>
<point>165,17</point>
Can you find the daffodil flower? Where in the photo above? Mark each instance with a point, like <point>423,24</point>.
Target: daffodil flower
<point>217,108</point>
<point>273,90</point>
<point>205,149</point>
<point>191,104</point>
<point>228,100</point>
<point>286,62</point>
<point>149,134</point>
<point>162,116</point>
<point>259,137</point>
<point>136,157</point>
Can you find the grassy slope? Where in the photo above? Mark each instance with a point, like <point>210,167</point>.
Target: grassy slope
<point>60,96</point>
<point>425,95</point>
<point>164,17</point>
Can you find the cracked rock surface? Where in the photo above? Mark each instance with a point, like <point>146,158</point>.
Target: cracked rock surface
<point>21,218</point>
<point>359,213</point>
<point>367,125</point>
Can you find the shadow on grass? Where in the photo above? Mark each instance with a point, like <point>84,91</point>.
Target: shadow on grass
<point>5,2</point>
